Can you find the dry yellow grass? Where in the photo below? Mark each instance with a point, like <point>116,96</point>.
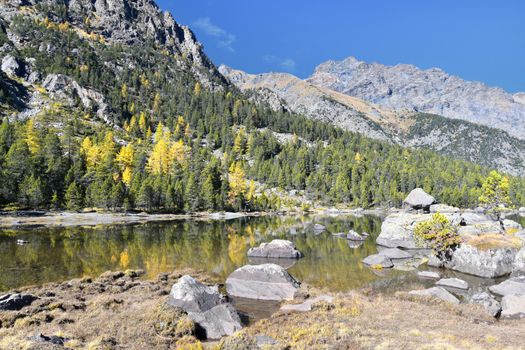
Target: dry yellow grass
<point>493,241</point>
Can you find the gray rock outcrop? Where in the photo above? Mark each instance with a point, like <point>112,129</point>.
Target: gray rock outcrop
<point>264,282</point>
<point>395,253</point>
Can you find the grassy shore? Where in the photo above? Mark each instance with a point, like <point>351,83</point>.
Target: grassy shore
<point>119,310</point>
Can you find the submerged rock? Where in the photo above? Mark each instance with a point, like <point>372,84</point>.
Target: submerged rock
<point>278,248</point>
<point>452,283</point>
<point>490,304</point>
<point>15,302</point>
<point>419,199</point>
<point>436,292</point>
<point>205,306</point>
<point>428,275</point>
<point>513,306</point>
<point>377,260</point>
<point>514,285</point>
<point>265,282</point>
<point>354,236</point>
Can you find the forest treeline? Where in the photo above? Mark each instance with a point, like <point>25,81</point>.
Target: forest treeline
<point>179,144</point>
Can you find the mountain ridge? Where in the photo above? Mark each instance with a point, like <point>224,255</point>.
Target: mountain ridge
<point>406,87</point>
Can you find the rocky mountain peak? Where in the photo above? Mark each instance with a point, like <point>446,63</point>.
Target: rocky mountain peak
<point>406,87</point>
<point>127,22</point>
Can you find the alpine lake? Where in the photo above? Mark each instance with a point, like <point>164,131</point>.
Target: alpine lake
<point>216,247</point>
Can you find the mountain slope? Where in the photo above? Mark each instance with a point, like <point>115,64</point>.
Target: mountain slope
<point>457,138</point>
<point>406,87</point>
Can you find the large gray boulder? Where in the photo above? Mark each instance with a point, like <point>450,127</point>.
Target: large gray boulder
<point>278,248</point>
<point>218,321</point>
<point>436,292</point>
<point>264,282</point>
<point>397,230</point>
<point>511,225</point>
<point>377,260</point>
<point>512,286</point>
<point>513,306</point>
<point>489,263</point>
<point>419,199</point>
<point>193,296</point>
<point>205,306</point>
<point>15,302</point>
<point>491,305</point>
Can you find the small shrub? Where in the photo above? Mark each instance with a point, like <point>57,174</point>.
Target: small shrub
<point>440,234</point>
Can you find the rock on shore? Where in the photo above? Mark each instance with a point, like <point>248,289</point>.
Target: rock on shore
<point>277,249</point>
<point>265,282</point>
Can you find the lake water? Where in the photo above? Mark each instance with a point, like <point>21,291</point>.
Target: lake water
<point>217,247</point>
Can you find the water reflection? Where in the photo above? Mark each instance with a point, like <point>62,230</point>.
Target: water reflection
<point>217,247</point>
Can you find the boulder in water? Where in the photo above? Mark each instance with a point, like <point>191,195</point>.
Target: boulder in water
<point>278,248</point>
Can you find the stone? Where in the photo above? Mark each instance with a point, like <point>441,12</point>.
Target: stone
<point>514,285</point>
<point>339,234</point>
<point>307,305</point>
<point>354,244</point>
<point>397,230</point>
<point>395,253</point>
<point>419,199</point>
<point>521,209</point>
<point>491,305</point>
<point>377,260</point>
<point>489,263</point>
<point>264,340</point>
<point>11,66</point>
<point>264,282</point>
<point>193,296</point>
<point>468,218</point>
<point>205,306</point>
<point>452,283</point>
<point>519,262</point>
<point>443,208</point>
<point>513,306</point>
<point>318,229</point>
<point>278,248</point>
<point>219,321</point>
<point>436,292</point>
<point>511,225</point>
<point>354,236</point>
<point>428,275</point>
<point>15,302</point>
<point>52,339</point>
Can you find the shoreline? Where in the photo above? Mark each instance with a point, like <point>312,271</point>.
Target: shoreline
<point>30,219</point>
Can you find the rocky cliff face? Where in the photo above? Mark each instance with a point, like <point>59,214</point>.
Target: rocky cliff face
<point>125,22</point>
<point>456,138</point>
<point>406,87</point>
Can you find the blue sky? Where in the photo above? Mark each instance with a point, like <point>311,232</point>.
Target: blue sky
<point>476,40</point>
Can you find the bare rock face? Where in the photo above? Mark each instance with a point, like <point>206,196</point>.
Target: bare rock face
<point>491,305</point>
<point>264,282</point>
<point>406,87</point>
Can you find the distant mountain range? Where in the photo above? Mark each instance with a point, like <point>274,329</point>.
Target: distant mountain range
<point>325,97</point>
<point>406,87</point>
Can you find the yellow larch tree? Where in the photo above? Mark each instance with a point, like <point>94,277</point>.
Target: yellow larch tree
<point>32,138</point>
